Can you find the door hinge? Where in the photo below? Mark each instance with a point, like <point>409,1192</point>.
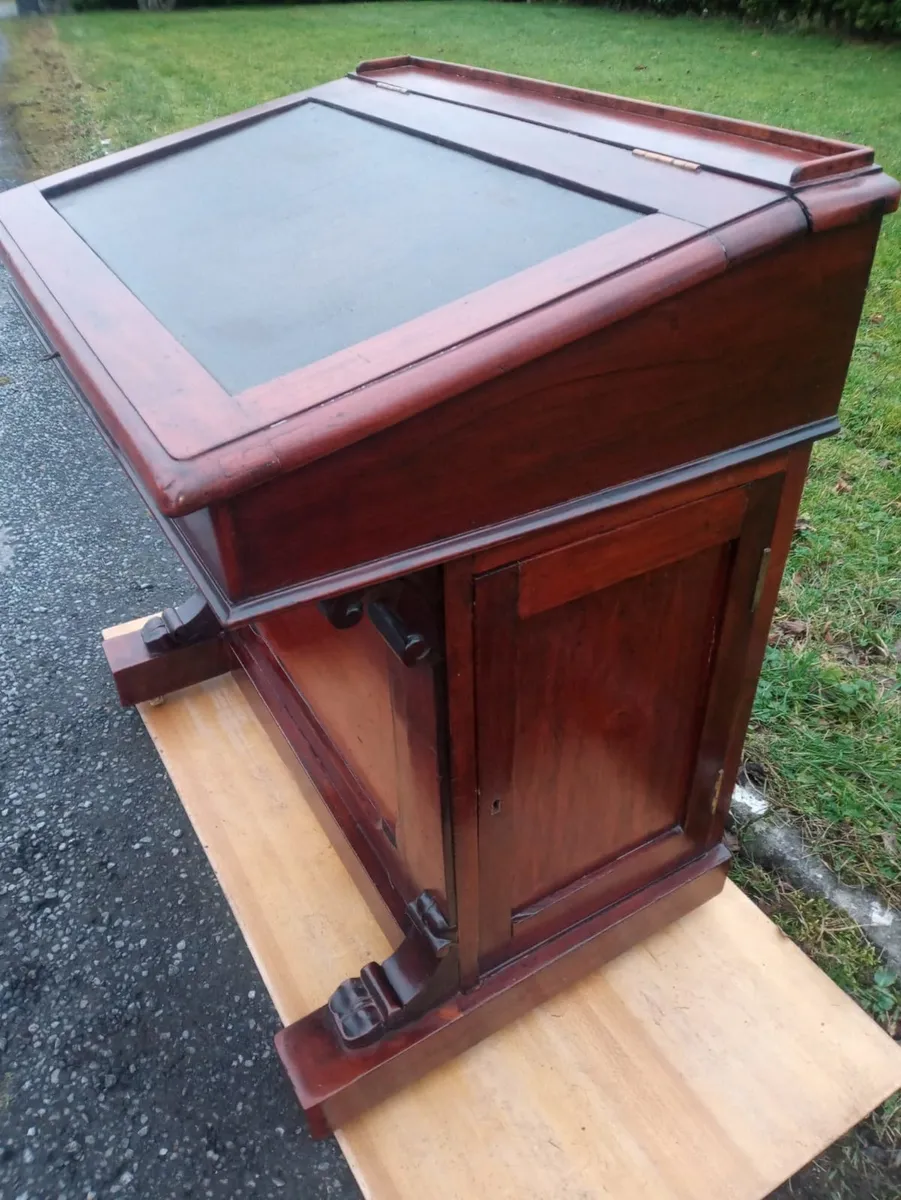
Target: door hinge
<point>667,159</point>
<point>717,788</point>
<point>761,579</point>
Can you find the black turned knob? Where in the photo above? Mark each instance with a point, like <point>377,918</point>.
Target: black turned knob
<point>409,646</point>
<point>343,611</point>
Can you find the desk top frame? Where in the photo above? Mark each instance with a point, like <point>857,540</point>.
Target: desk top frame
<point>748,189</point>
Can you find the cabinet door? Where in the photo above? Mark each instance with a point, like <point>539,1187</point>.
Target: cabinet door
<point>607,672</point>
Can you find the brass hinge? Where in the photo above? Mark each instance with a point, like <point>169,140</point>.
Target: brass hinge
<point>717,788</point>
<point>667,159</point>
<point>761,579</point>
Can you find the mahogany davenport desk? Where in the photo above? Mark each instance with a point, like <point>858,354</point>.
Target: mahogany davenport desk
<point>479,410</point>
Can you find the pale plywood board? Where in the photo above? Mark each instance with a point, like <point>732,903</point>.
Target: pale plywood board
<point>712,1061</point>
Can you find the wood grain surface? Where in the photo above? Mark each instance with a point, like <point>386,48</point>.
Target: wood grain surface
<point>748,189</point>
<point>741,148</point>
<point>713,1060</point>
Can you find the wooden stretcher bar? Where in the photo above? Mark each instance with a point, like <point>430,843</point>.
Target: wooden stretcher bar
<point>714,1059</point>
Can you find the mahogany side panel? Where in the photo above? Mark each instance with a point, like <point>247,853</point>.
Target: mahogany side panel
<point>335,1086</point>
<point>349,807</point>
<point>341,835</point>
<point>372,723</point>
<point>645,395</point>
<point>344,676</point>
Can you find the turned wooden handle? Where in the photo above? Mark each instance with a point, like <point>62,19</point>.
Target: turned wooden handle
<point>409,646</point>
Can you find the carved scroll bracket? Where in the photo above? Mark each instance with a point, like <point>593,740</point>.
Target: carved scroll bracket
<point>421,973</point>
<point>186,625</point>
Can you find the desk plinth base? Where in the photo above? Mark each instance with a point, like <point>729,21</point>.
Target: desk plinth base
<point>335,1081</point>
<point>712,1059</point>
<point>335,1085</point>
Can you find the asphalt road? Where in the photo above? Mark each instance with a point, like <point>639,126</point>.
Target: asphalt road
<point>136,1054</point>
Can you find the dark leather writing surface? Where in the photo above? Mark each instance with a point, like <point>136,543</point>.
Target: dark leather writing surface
<point>274,246</point>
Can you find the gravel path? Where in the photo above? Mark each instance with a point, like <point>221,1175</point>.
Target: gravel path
<point>136,1053</point>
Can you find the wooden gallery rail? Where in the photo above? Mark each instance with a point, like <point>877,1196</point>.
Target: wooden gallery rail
<point>479,410</point>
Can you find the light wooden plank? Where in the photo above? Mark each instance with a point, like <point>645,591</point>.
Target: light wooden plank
<point>714,1060</point>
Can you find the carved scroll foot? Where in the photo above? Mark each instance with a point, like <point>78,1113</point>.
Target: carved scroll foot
<point>182,646</point>
<point>386,996</point>
<point>186,625</point>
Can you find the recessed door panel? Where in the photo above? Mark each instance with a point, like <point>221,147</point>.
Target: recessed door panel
<point>609,690</point>
<point>606,670</point>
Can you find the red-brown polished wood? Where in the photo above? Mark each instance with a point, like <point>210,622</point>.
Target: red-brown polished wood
<point>333,1089</point>
<point>498,577</point>
<point>786,156</point>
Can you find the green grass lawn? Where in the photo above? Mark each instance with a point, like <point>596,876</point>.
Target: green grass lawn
<point>826,732</point>
<point>827,726</point>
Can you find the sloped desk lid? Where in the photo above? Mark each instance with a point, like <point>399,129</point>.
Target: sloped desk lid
<point>301,235</point>
<point>242,298</point>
